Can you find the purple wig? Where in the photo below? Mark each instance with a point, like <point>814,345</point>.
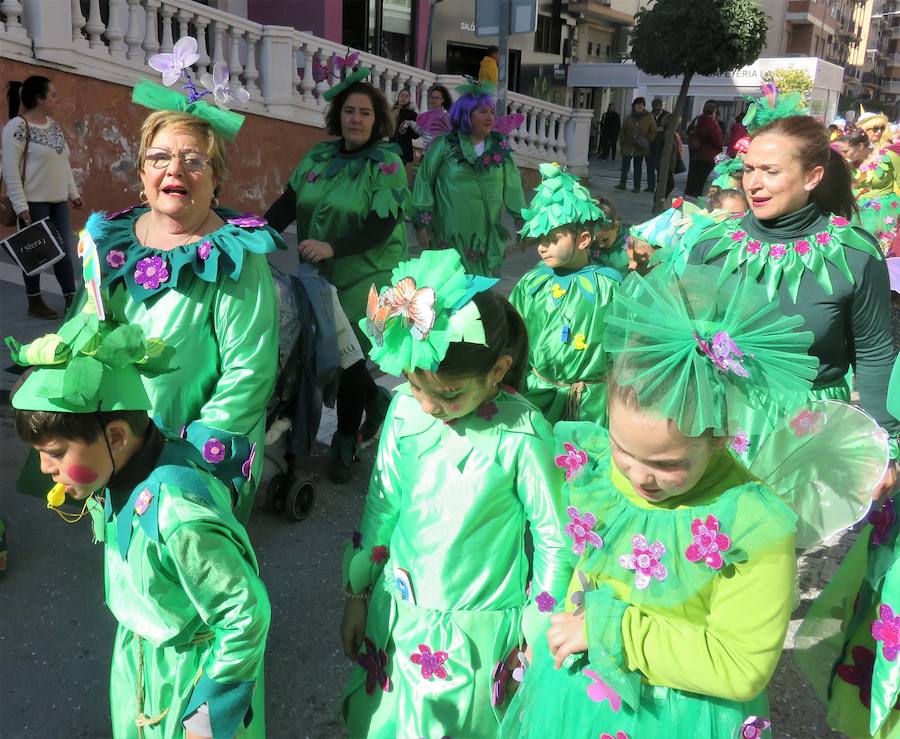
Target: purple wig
<point>461,110</point>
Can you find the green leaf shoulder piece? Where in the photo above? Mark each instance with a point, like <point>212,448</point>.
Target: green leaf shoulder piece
<point>584,281</point>
<point>776,261</point>
<point>146,272</point>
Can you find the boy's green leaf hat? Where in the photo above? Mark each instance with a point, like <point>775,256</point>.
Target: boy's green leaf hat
<point>561,200</point>
<point>697,352</point>
<point>89,364</point>
<point>428,306</point>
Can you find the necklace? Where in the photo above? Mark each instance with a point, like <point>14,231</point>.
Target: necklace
<point>191,235</point>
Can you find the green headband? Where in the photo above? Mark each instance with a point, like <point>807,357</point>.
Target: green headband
<point>357,76</point>
<point>477,87</point>
<point>560,200</point>
<point>225,123</point>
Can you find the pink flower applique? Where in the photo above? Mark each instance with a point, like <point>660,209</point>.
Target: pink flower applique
<point>619,735</point>
<point>213,451</point>
<point>203,250</point>
<point>143,502</point>
<point>753,726</point>
<point>823,238</point>
<point>777,251</point>
<point>581,529</point>
<point>708,543</point>
<point>887,631</point>
<point>488,411</point>
<point>379,554</point>
<point>881,521</point>
<point>723,352</point>
<point>312,176</point>
<point>248,220</point>
<point>486,160</point>
<point>645,561</point>
<point>739,235</point>
<point>895,204</point>
<point>859,673</point>
<point>806,422</point>
<point>598,691</point>
<point>247,467</point>
<point>889,220</point>
<point>425,217</point>
<point>876,206</point>
<point>374,661</point>
<point>115,258</point>
<point>740,443</point>
<point>151,272</point>
<point>572,461</point>
<point>497,158</point>
<point>753,246</point>
<point>432,664</point>
<point>389,168</point>
<point>545,602</point>
<point>802,247</point>
<point>839,221</point>
<point>504,144</point>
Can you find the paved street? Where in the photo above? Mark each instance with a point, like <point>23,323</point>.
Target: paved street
<point>56,634</point>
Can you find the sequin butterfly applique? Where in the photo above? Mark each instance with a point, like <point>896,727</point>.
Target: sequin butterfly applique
<point>378,310</point>
<point>416,305</point>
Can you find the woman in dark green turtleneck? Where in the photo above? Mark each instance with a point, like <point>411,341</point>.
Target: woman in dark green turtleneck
<point>798,241</point>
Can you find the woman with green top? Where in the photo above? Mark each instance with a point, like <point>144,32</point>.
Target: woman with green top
<point>466,180</point>
<point>348,197</point>
<point>876,174</point>
<point>798,240</point>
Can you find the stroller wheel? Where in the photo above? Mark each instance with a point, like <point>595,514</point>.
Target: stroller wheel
<point>274,494</point>
<point>299,499</point>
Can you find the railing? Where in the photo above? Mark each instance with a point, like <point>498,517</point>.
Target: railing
<point>285,71</point>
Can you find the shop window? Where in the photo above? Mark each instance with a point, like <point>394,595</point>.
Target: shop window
<point>548,36</point>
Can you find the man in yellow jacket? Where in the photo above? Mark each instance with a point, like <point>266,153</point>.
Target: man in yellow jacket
<point>490,66</point>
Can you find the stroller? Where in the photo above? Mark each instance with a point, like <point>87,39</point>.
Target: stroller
<point>308,374</point>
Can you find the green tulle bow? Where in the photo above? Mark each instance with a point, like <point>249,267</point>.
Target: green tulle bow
<point>763,111</point>
<point>225,123</point>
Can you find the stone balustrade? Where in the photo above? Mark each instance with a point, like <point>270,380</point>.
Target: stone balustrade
<point>286,71</point>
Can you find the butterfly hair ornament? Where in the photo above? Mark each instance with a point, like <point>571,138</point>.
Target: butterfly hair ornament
<point>217,87</point>
<point>691,349</point>
<point>348,67</point>
<point>428,305</point>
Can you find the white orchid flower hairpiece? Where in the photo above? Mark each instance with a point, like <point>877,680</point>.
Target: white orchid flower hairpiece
<point>217,83</point>
<point>171,66</point>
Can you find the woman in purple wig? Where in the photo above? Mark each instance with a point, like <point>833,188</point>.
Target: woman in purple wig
<point>465,181</point>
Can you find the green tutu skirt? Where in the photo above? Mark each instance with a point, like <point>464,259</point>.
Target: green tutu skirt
<point>559,703</point>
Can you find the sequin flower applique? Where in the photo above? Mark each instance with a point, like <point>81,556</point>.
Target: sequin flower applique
<point>581,529</point>
<point>708,543</point>
<point>645,561</point>
<point>432,663</point>
<point>887,631</point>
<point>572,461</point>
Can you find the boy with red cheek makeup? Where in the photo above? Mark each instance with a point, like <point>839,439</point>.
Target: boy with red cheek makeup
<point>181,577</point>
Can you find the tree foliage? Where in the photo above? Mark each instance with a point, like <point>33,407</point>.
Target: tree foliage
<point>674,38</point>
<point>791,79</point>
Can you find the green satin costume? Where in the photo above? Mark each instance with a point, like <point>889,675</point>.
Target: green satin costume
<point>183,582</point>
<point>460,196</point>
<point>336,192</point>
<point>833,274</point>
<point>564,313</point>
<point>876,193</point>
<point>687,643</point>
<point>214,301</point>
<point>615,256</point>
<point>441,545</point>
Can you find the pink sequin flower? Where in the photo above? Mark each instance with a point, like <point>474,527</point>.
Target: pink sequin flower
<point>876,206</point>
<point>581,529</point>
<point>247,467</point>
<point>151,272</point>
<point>389,168</point>
<point>572,461</point>
<point>203,250</point>
<point>619,735</point>
<point>806,422</point>
<point>432,664</point>
<point>213,451</point>
<point>753,727</point>
<point>645,561</point>
<point>777,251</point>
<point>497,158</point>
<point>143,502</point>
<point>374,661</point>
<point>823,238</point>
<point>887,631</point>
<point>802,247</point>
<point>486,160</point>
<point>504,144</point>
<point>311,176</point>
<point>545,602</point>
<point>248,220</point>
<point>708,543</point>
<point>379,554</point>
<point>740,443</point>
<point>754,246</point>
<point>739,235</point>
<point>488,411</point>
<point>115,258</point>
<point>723,352</point>
<point>839,221</point>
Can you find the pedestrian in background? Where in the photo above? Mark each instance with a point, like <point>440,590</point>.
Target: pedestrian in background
<point>490,66</point>
<point>662,118</point>
<point>705,141</point>
<point>610,124</point>
<point>637,135</point>
<point>39,178</point>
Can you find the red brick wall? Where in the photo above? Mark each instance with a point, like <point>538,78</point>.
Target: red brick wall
<point>103,126</point>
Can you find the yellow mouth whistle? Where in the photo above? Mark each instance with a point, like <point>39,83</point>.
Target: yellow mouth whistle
<point>56,496</point>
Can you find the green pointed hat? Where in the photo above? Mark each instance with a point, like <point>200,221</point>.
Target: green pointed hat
<point>560,200</point>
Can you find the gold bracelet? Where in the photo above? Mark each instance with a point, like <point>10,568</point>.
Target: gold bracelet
<point>364,595</point>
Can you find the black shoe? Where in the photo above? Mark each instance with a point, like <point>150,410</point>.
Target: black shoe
<point>620,187</point>
<point>343,455</point>
<point>376,410</point>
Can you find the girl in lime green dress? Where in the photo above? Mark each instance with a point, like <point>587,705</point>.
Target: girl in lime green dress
<point>436,576</point>
<point>675,618</point>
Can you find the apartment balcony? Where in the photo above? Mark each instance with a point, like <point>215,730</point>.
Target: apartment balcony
<point>603,11</point>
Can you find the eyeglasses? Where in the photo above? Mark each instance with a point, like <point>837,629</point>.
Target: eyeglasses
<point>436,96</point>
<point>192,161</point>
<point>877,128</point>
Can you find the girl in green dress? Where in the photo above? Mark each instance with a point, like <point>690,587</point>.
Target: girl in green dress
<point>610,250</point>
<point>563,301</point>
<point>436,576</point>
<point>676,614</point>
<point>466,180</point>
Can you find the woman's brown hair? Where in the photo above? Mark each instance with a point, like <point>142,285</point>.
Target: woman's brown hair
<point>383,127</point>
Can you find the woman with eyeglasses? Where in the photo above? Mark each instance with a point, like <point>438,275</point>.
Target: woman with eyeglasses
<point>195,275</point>
<point>438,99</point>
<point>874,124</point>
